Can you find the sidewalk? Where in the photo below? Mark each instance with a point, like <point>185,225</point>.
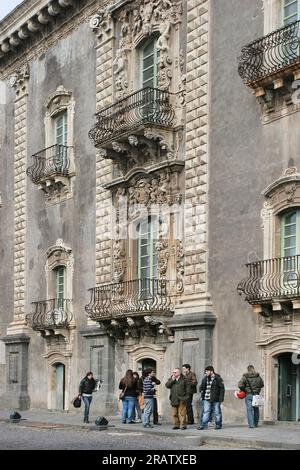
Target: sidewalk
<point>278,436</point>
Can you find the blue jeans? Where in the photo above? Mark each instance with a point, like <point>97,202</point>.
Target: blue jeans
<point>148,408</point>
<point>209,408</point>
<point>252,411</point>
<point>128,409</point>
<point>87,403</point>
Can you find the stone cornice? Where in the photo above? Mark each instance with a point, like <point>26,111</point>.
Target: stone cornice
<point>29,31</point>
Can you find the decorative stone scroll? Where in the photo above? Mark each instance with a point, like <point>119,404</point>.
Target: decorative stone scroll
<point>145,191</point>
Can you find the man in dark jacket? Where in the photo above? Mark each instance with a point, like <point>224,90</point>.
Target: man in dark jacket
<point>86,388</point>
<point>212,393</point>
<point>191,377</point>
<point>251,383</point>
<point>180,390</point>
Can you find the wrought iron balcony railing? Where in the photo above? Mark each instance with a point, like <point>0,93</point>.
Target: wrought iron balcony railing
<point>49,162</point>
<point>270,54</point>
<point>50,314</point>
<point>277,278</point>
<point>146,106</point>
<point>141,296</point>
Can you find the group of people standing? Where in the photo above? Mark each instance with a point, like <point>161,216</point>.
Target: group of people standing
<point>134,387</point>
<point>182,385</point>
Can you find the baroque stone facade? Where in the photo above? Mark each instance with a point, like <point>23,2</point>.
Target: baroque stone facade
<point>129,235</point>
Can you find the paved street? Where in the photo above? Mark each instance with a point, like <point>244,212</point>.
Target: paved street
<point>50,437</point>
<point>57,430</point>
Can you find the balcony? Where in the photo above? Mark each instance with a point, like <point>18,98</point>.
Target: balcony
<point>272,280</point>
<point>51,169</point>
<point>148,106</point>
<point>271,56</point>
<point>270,66</point>
<point>131,298</point>
<point>50,314</point>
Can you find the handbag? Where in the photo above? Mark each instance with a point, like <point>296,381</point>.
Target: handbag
<point>76,402</point>
<point>141,401</point>
<point>257,400</point>
<point>122,394</point>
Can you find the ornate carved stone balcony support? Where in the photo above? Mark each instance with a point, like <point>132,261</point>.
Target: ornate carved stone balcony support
<point>50,171</point>
<point>270,66</point>
<point>133,308</point>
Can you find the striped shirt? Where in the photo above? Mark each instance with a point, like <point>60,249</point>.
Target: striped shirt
<point>148,387</point>
<point>208,388</point>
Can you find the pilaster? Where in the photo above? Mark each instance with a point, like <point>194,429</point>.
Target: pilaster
<point>20,82</point>
<point>196,185</point>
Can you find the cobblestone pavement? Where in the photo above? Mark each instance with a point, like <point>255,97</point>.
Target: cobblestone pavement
<point>232,436</point>
<point>55,437</point>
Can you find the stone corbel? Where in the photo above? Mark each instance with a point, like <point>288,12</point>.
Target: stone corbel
<point>267,313</point>
<point>33,25</point>
<point>266,98</point>
<point>115,329</point>
<point>65,3</point>
<point>283,89</point>
<point>165,330</point>
<point>133,329</point>
<point>151,325</point>
<point>43,17</point>
<point>287,312</point>
<point>54,8</point>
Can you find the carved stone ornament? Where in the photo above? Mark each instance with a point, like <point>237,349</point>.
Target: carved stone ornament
<point>283,192</point>
<point>101,24</point>
<point>161,247</point>
<point>119,256</point>
<point>58,100</point>
<point>19,80</point>
<point>147,191</point>
<point>179,267</point>
<point>121,74</point>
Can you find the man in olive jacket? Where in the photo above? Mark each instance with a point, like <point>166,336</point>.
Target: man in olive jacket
<point>212,392</point>
<point>251,383</point>
<point>180,390</point>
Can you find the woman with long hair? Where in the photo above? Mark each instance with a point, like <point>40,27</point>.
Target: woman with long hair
<point>139,392</point>
<point>86,388</point>
<point>128,385</point>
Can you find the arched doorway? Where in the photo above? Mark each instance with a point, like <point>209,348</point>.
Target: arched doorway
<point>59,386</point>
<point>288,388</point>
<point>143,356</point>
<point>147,363</point>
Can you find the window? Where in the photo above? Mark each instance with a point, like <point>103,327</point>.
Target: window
<point>149,68</point>
<point>290,242</point>
<point>60,154</point>
<point>147,257</point>
<point>59,274</point>
<point>290,11</point>
<point>61,129</point>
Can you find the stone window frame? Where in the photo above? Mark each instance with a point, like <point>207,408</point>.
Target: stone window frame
<point>57,102</point>
<point>281,195</point>
<point>273,15</point>
<point>60,255</point>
